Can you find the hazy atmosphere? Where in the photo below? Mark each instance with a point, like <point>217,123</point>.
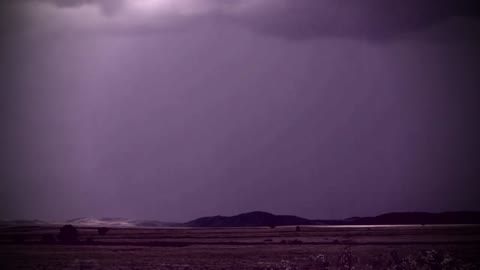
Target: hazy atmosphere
<point>177,109</point>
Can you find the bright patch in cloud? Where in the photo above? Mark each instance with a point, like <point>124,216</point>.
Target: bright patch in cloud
<point>177,7</point>
<point>150,5</point>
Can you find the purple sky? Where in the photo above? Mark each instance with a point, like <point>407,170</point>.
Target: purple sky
<point>173,110</point>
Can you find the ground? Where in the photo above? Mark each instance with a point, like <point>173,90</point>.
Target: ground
<point>315,247</point>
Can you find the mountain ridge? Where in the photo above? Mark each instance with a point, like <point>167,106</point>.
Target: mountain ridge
<point>250,219</point>
<point>259,218</point>
<point>266,219</point>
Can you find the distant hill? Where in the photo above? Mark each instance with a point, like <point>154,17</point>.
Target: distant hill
<point>264,219</point>
<point>252,219</point>
<point>11,223</point>
<point>117,222</point>
<point>420,218</point>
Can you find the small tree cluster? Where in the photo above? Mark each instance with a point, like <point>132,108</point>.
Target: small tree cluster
<point>68,235</point>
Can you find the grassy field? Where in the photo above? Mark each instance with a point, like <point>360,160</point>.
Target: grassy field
<point>401,247</point>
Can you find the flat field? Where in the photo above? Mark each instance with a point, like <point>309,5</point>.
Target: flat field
<point>313,247</point>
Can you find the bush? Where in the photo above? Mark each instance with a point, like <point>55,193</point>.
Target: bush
<point>295,242</point>
<point>18,239</point>
<point>424,260</point>
<point>68,235</point>
<point>346,260</point>
<point>320,262</point>
<point>102,231</point>
<point>48,239</point>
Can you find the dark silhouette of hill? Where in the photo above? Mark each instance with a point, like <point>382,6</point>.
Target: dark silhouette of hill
<point>420,218</point>
<point>33,222</point>
<point>252,219</point>
<point>262,219</point>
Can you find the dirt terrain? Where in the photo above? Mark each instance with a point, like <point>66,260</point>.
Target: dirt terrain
<point>306,247</point>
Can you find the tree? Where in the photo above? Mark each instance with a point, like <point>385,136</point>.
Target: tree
<point>68,235</point>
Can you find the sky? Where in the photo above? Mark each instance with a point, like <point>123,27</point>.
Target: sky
<point>173,110</point>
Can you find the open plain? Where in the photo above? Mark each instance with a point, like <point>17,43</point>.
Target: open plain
<point>305,247</point>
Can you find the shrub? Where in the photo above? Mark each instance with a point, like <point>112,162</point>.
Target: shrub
<point>347,260</point>
<point>48,239</point>
<point>320,262</point>
<point>18,239</point>
<point>68,235</point>
<point>296,242</point>
<point>102,231</point>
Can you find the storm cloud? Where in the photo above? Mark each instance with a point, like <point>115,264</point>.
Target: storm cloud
<point>175,109</point>
<point>375,20</point>
<point>370,20</point>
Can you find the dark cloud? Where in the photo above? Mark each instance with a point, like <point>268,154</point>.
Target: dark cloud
<point>174,125</point>
<point>107,6</point>
<point>377,20</point>
<point>368,19</point>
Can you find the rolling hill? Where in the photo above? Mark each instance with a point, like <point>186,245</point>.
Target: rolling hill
<point>258,218</point>
<point>420,218</point>
<point>252,219</point>
<point>265,219</point>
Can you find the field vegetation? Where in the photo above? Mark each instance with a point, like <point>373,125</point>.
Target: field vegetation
<point>307,247</point>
